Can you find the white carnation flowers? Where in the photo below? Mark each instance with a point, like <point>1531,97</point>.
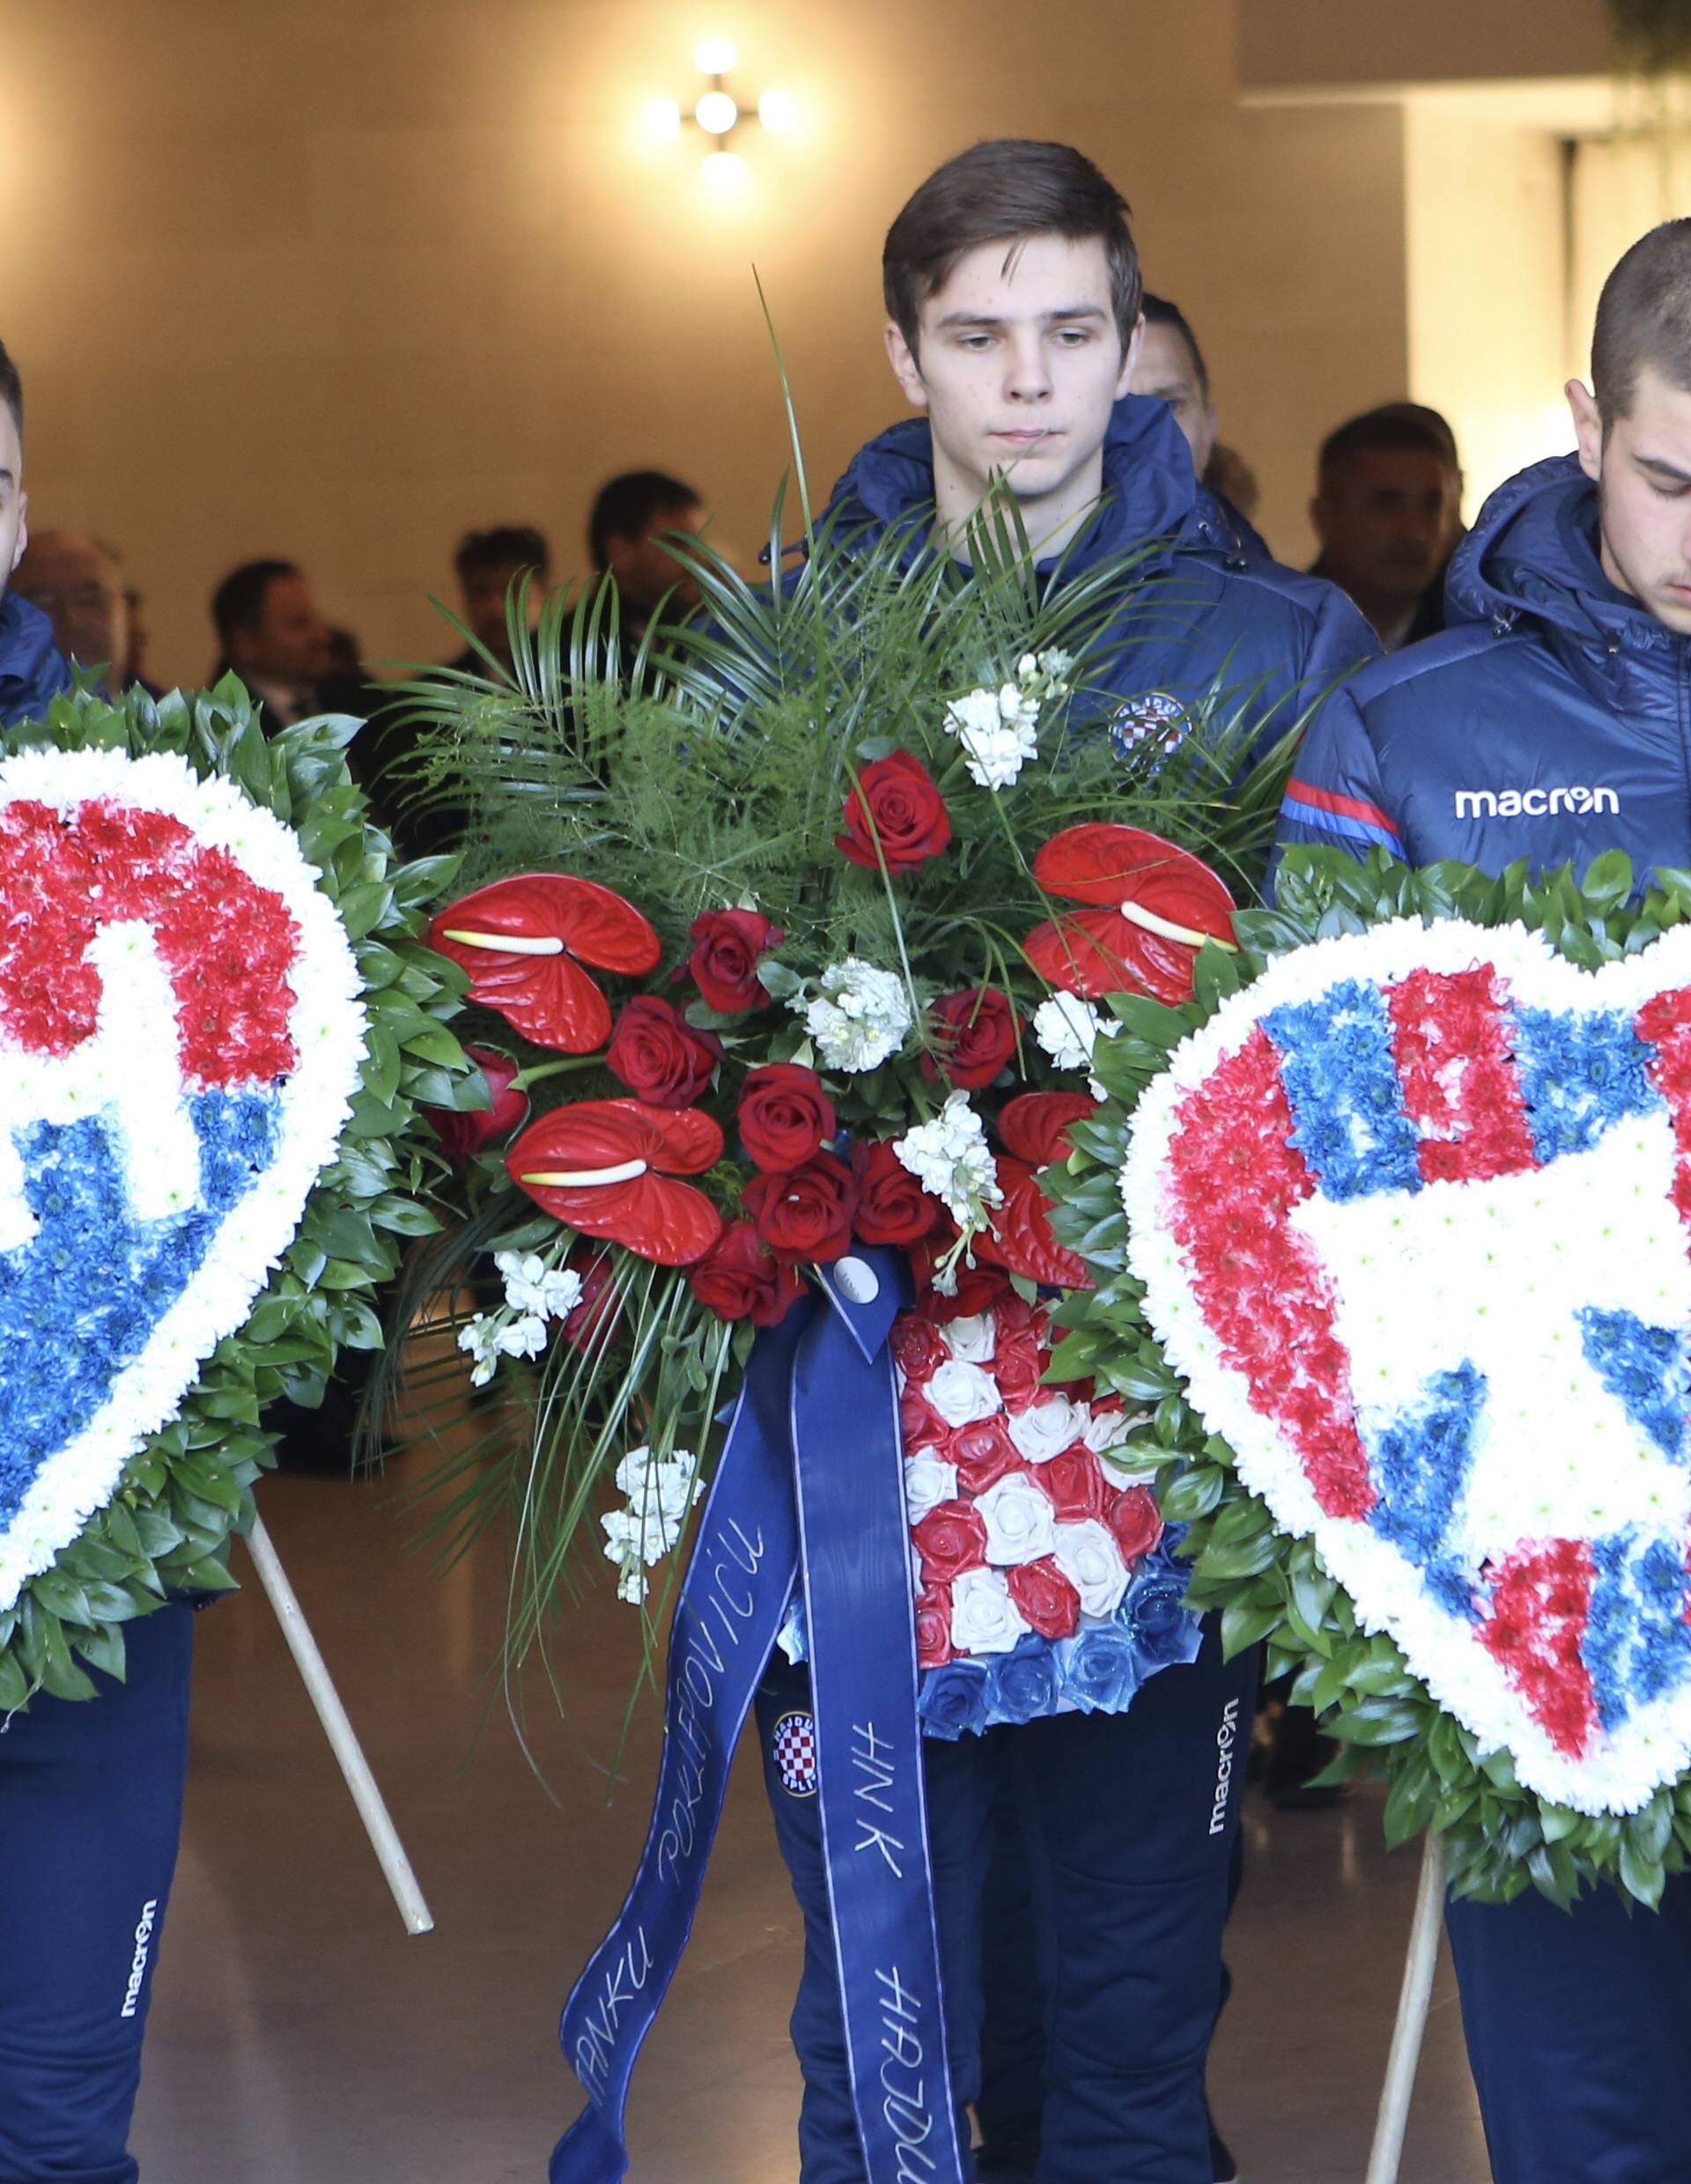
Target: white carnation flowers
<point>859,1017</point>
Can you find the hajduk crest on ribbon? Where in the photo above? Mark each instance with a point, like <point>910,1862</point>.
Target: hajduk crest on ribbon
<point>215,1024</point>
<point>1392,1228</point>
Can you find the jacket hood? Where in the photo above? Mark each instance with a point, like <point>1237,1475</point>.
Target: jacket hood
<point>1533,556</point>
<point>31,672</point>
<point>1149,490</point>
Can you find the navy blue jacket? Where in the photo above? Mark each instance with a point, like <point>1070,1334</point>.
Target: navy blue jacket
<point>31,673</point>
<point>1551,721</point>
<point>1211,611</point>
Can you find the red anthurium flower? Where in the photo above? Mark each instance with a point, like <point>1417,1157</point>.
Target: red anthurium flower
<point>463,1133</point>
<point>523,942</point>
<point>1034,1126</point>
<point>604,1166</point>
<point>1158,905</point>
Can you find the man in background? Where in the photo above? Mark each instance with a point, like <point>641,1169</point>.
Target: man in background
<point>269,631</point>
<point>1171,368</point>
<point>637,520</point>
<point>77,580</point>
<point>488,563</point>
<point>1388,512</point>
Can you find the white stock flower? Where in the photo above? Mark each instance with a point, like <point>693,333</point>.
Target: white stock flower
<point>670,1485</point>
<point>998,737</point>
<point>951,1160</point>
<point>1088,1556</point>
<point>522,1338</point>
<point>630,1584</point>
<point>983,1618</point>
<point>1046,1428</point>
<point>479,1340</point>
<point>860,1016</point>
<point>1068,1028</point>
<point>927,1482</point>
<point>531,1286</point>
<point>962,1393</point>
<point>1020,1523</point>
<point>974,1340</point>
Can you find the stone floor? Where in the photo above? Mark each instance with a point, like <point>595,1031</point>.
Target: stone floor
<point>299,2036</point>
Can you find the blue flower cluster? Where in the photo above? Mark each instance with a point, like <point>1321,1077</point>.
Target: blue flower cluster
<point>80,1300</point>
<point>1420,1460</point>
<point>1341,1081</point>
<point>1096,1672</point>
<point>1579,1073</point>
<point>1638,1643</point>
<point>1646,1367</point>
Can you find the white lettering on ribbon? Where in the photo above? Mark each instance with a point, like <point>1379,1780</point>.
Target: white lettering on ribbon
<point>596,2043</point>
<point>695,1685</point>
<point>903,2088</point>
<point>873,1758</point>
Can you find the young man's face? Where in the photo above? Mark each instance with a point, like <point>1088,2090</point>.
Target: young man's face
<point>14,502</point>
<point>1168,370</point>
<point>1018,366</point>
<point>1387,520</point>
<point>1642,471</point>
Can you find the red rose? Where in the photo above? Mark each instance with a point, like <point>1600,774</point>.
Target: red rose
<point>896,807</point>
<point>1018,1366</point>
<point>950,1538</point>
<point>739,1279</point>
<point>916,1349</point>
<point>1073,1483</point>
<point>934,1646</point>
<point>786,1117</point>
<point>658,1056</point>
<point>984,1453</point>
<point>919,1424</point>
<point>1136,1522</point>
<point>1046,1596</point>
<point>974,1033</point>
<point>726,944</point>
<point>806,1213</point>
<point>892,1207</point>
<point>463,1134</point>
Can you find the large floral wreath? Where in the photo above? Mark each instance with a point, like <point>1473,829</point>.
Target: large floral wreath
<point>216,1023</point>
<point>1388,1223</point>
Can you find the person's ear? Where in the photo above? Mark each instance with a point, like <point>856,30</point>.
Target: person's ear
<point>1130,358</point>
<point>1588,427</point>
<point>905,369</point>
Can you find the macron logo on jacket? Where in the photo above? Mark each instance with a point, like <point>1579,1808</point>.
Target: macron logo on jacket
<point>1532,803</point>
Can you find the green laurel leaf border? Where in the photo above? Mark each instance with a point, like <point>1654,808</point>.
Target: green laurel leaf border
<point>1501,1838</point>
<point>168,1530</point>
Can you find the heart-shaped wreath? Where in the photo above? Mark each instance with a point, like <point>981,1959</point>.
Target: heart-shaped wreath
<point>216,1026</point>
<point>1390,1226</point>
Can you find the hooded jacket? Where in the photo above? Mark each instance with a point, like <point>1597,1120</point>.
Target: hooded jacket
<point>31,673</point>
<point>1210,611</point>
<point>1551,721</point>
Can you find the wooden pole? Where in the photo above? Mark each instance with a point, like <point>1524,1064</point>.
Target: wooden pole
<point>384,1837</point>
<point>1414,2001</point>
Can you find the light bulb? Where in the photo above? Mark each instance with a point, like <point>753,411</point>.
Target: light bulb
<point>716,114</point>
<point>725,171</point>
<point>663,120</point>
<point>713,57</point>
<point>775,110</point>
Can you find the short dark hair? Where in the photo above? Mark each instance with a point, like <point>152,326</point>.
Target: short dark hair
<point>12,388</point>
<point>1160,312</point>
<point>503,546</point>
<point>627,506</point>
<point>1006,191</point>
<point>1387,431</point>
<point>238,603</point>
<point>1643,317</point>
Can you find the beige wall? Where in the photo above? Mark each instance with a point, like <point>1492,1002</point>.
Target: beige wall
<point>1303,44</point>
<point>338,280</point>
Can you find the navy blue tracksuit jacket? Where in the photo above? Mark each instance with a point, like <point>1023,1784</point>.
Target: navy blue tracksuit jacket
<point>1551,721</point>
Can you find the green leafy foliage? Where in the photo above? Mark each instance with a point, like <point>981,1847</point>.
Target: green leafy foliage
<point>184,1496</point>
<point>1273,1589</point>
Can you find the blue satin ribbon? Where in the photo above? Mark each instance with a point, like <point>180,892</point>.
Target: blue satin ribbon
<point>819,1411</point>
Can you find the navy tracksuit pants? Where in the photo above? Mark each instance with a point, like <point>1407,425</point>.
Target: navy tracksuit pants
<point>1578,2027</point>
<point>1128,1881</point>
<point>91,1803</point>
